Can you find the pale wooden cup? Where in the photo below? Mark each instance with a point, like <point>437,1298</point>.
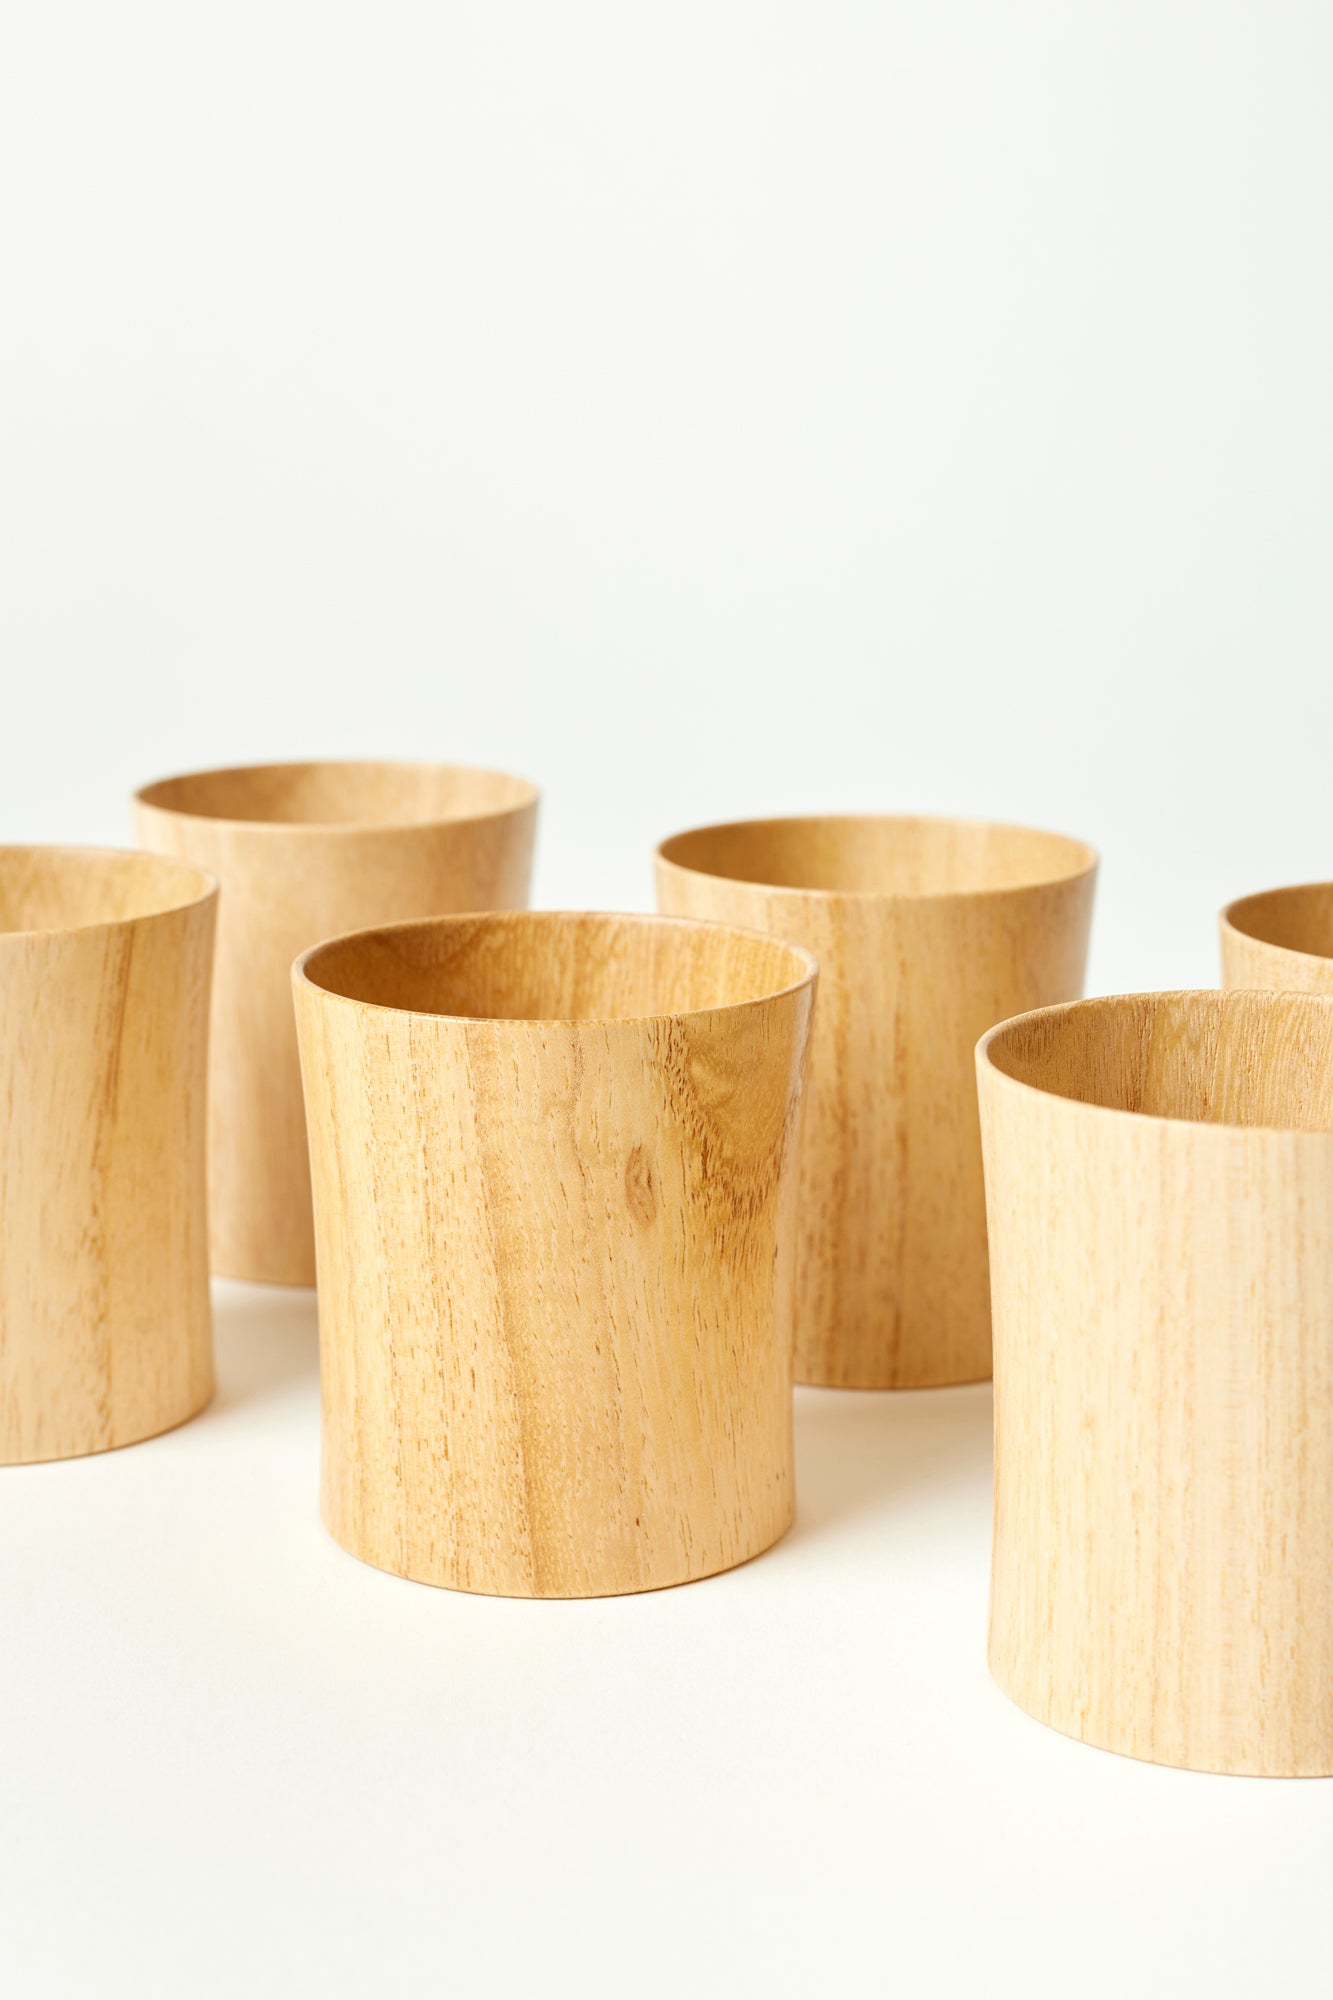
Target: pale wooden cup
<point>555,1179</point>
<point>304,852</point>
<point>1283,939</point>
<point>1159,1175</point>
<point>105,1330</point>
<point>927,932</point>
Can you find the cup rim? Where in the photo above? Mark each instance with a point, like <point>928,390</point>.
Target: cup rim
<point>530,795</point>
<point>1079,1106</point>
<point>1087,864</point>
<point>454,919</point>
<point>1230,912</point>
<point>205,890</point>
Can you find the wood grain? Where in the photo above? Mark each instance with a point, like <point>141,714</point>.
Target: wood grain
<point>1282,939</point>
<point>927,932</point>
<point>555,1179</point>
<point>105,1328</point>
<point>304,852</point>
<point>1159,1174</point>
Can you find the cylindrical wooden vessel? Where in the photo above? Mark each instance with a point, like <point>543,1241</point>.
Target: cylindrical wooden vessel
<point>1159,1174</point>
<point>927,932</point>
<point>105,1331</point>
<point>555,1182</point>
<point>304,852</point>
<point>1283,939</point>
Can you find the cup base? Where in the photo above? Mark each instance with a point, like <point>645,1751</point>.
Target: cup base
<point>1207,1766</point>
<point>158,1427</point>
<point>296,1274</point>
<point>810,1378</point>
<point>408,1575</point>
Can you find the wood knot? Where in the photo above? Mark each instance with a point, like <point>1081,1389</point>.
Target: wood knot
<point>640,1194</point>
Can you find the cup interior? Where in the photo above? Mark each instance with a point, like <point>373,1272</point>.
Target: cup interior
<point>70,888</point>
<point>543,966</point>
<point>870,855</point>
<point>1256,1059</point>
<point>1296,919</point>
<point>341,794</point>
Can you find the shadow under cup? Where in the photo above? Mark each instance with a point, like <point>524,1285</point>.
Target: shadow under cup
<point>927,932</point>
<point>1159,1175</point>
<point>555,1178</point>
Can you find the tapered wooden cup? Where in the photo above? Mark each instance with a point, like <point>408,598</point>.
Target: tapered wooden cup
<point>1282,939</point>
<point>1159,1174</point>
<point>555,1179</point>
<point>927,932</point>
<point>105,1333</point>
<point>304,852</point>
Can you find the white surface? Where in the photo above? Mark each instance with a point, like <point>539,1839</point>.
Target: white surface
<point>237,1761</point>
<point>706,409</point>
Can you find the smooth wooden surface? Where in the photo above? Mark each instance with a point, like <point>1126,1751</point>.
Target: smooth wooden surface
<point>306,852</point>
<point>1159,1175</point>
<point>105,1334</point>
<point>1283,939</point>
<point>555,1184</point>
<point>927,932</point>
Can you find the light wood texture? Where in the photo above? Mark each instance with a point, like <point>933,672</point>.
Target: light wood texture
<point>105,1331</point>
<point>555,1178</point>
<point>304,852</point>
<point>927,932</point>
<point>1282,939</point>
<point>1159,1174</point>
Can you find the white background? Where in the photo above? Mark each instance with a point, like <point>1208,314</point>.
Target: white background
<point>704,410</point>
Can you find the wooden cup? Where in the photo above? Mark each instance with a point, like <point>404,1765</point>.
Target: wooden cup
<point>554,1165</point>
<point>1159,1176</point>
<point>105,1331</point>
<point>1282,939</point>
<point>927,932</point>
<point>303,852</point>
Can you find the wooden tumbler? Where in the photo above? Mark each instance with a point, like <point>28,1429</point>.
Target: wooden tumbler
<point>927,932</point>
<point>555,1182</point>
<point>1283,939</point>
<point>1159,1174</point>
<point>105,1332</point>
<point>304,852</point>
